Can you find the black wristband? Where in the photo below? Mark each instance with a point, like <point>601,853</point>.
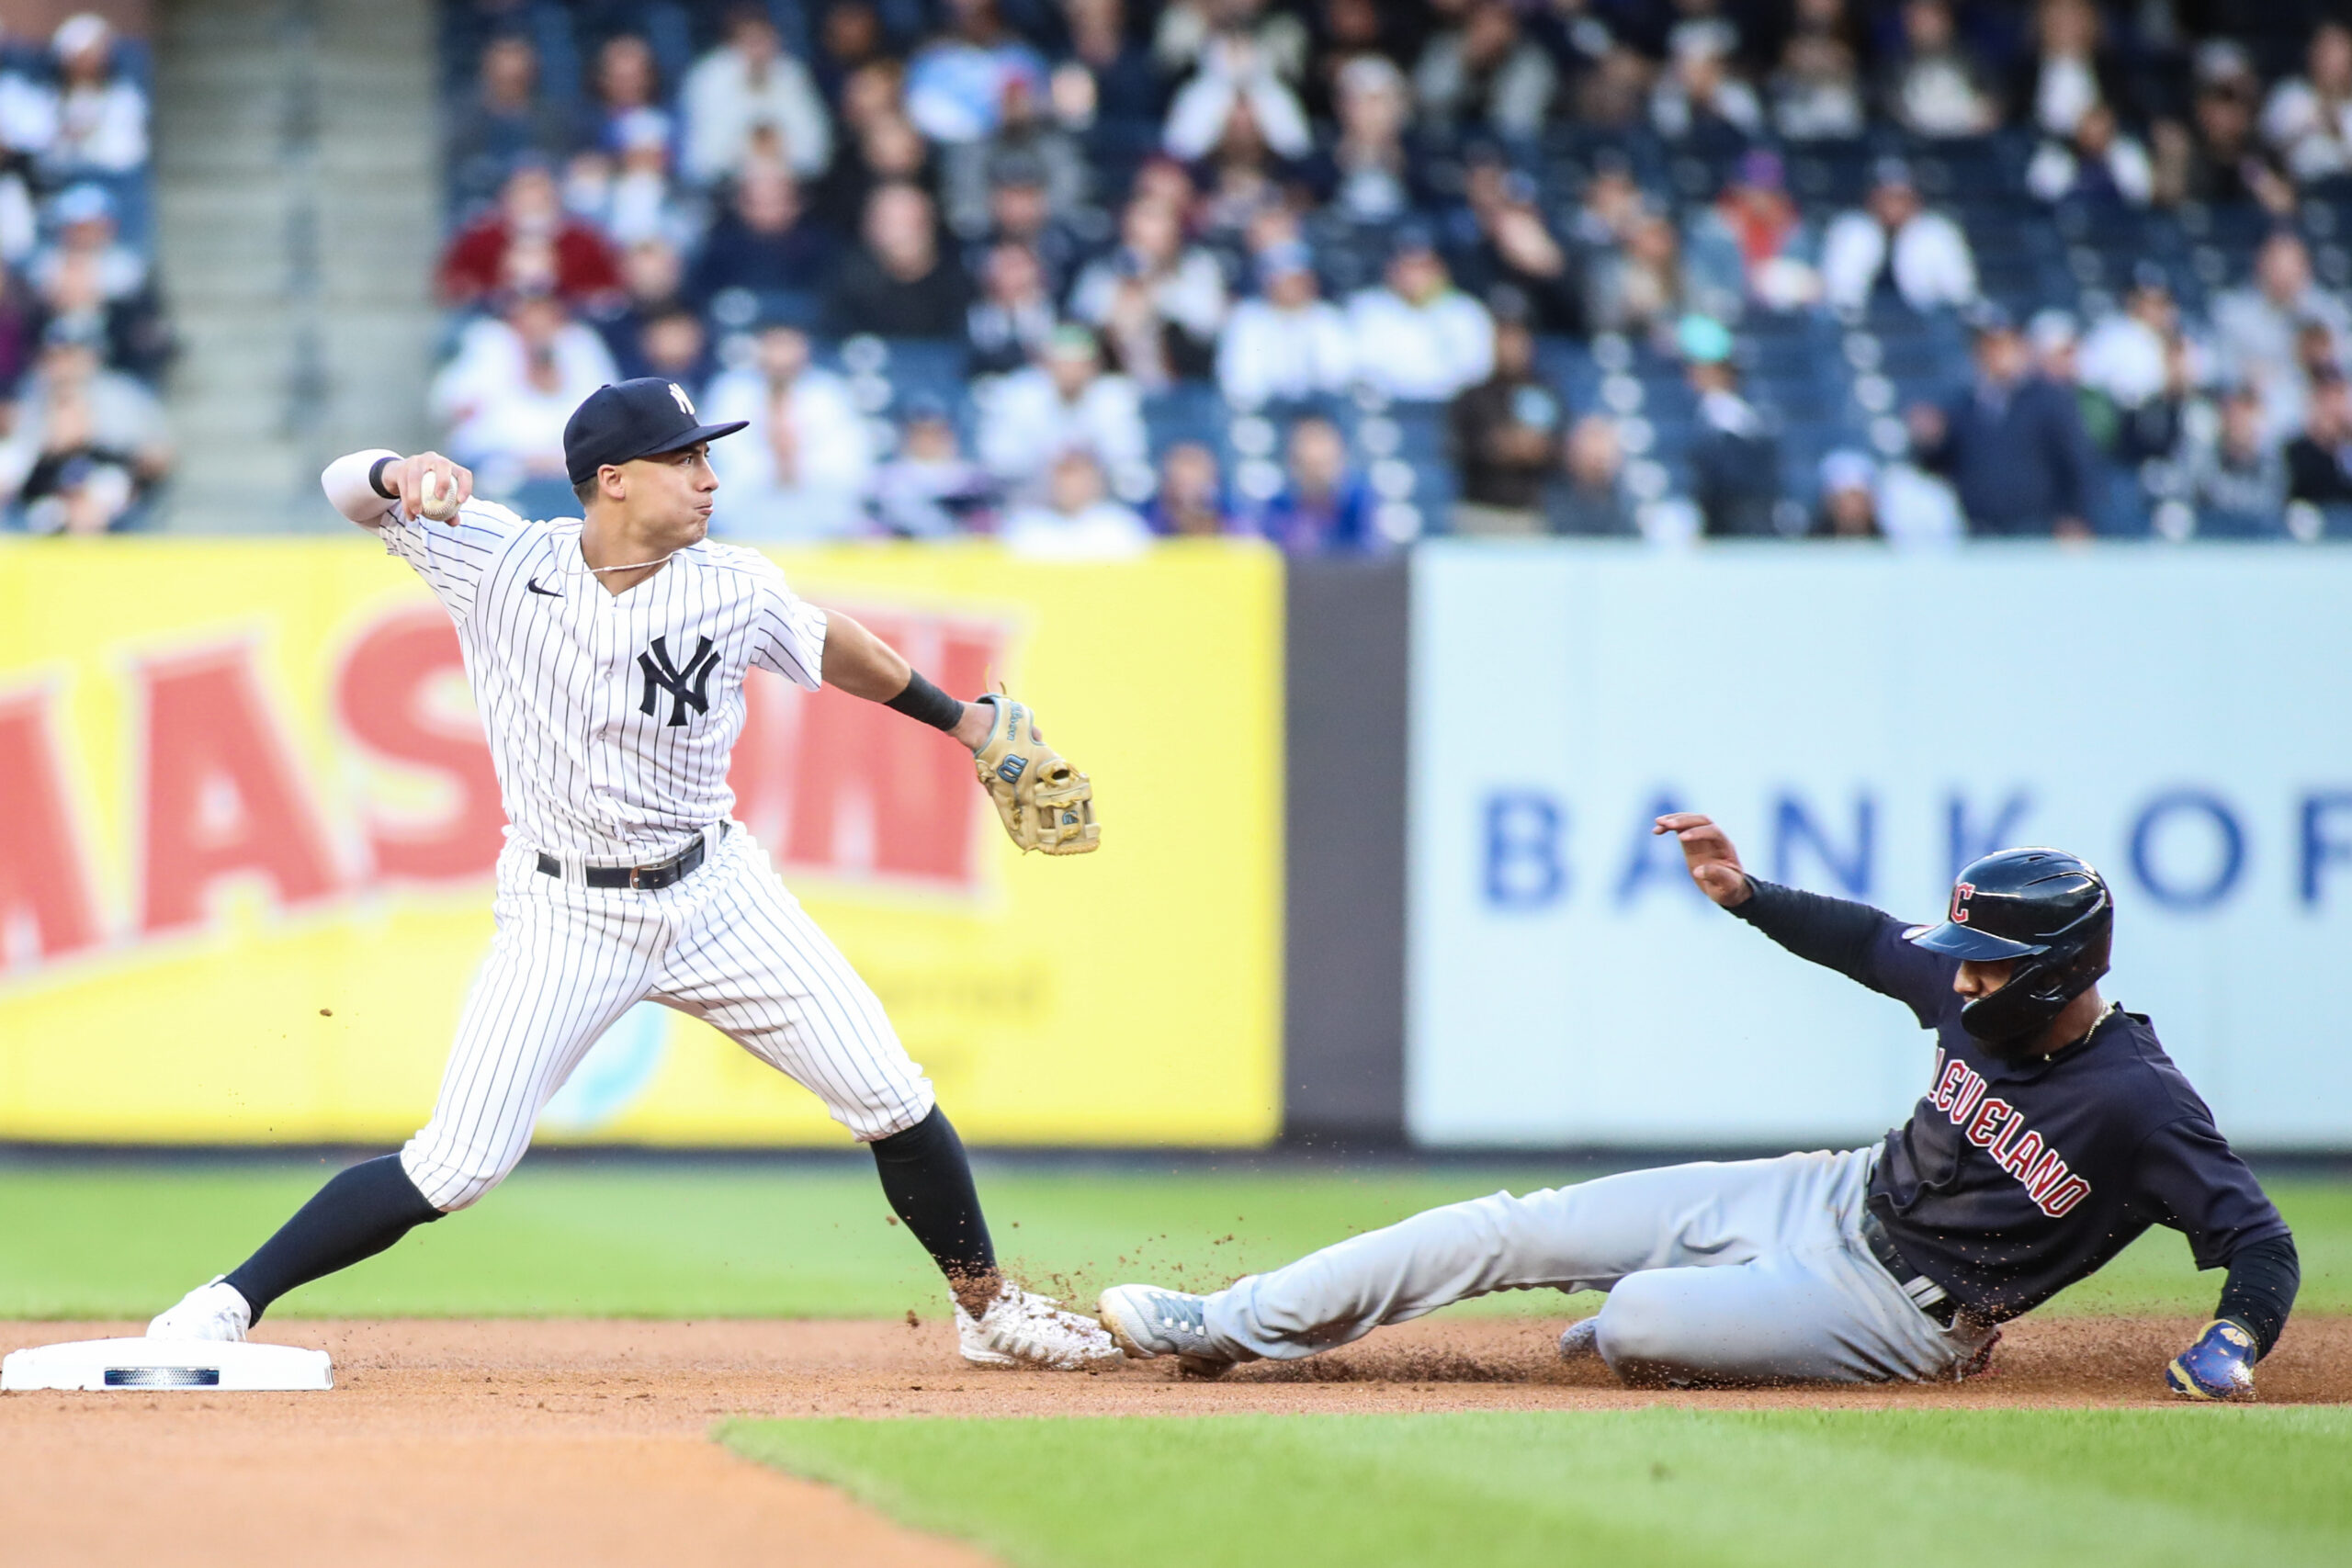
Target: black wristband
<point>923,701</point>
<point>376,478</point>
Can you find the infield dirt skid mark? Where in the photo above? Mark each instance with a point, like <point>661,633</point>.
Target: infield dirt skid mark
<point>586,1442</point>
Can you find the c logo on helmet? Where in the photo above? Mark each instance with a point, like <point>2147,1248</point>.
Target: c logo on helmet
<point>1962,891</point>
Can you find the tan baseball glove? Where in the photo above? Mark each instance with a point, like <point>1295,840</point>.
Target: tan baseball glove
<point>1045,802</point>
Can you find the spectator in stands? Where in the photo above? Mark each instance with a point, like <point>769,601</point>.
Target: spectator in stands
<point>1189,33</point>
<point>504,120</point>
<point>92,284</point>
<point>1751,245</point>
<point>1325,507</point>
<point>849,38</point>
<point>885,150</point>
<point>1646,285</point>
<point>1589,499</point>
<point>674,345</point>
<point>1157,301</point>
<point>1021,212</point>
<point>1848,508</point>
<point>2309,117</point>
<point>2097,165</point>
<point>1236,77</point>
<point>1418,338</point>
<point>763,242</point>
<point>101,111</point>
<point>2255,329</point>
<point>629,99</point>
<point>1246,188</point>
<point>2012,445</point>
<point>20,223</point>
<point>2319,460</point>
<point>1368,176</point>
<point>2220,160</point>
<point>746,85</point>
<point>1938,87</point>
<point>1816,92</point>
<point>929,490</point>
<point>1607,210</point>
<point>652,284</point>
<point>958,83</point>
<point>85,443</point>
<point>1076,519</point>
<point>2070,72</point>
<point>799,472</point>
<point>1190,503</point>
<point>1009,323</point>
<point>2238,478</point>
<point>1700,97</point>
<point>1893,245</point>
<point>1286,344</point>
<point>1064,400</point>
<point>1108,77</point>
<point>628,194</point>
<point>1506,434</point>
<point>529,216</point>
<point>1025,132</point>
<point>1483,72</point>
<point>1510,247</point>
<point>898,283</point>
<point>2124,356</point>
<point>508,393</point>
<point>1735,458</point>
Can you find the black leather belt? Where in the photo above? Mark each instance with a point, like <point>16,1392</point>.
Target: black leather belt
<point>1926,1294</point>
<point>644,878</point>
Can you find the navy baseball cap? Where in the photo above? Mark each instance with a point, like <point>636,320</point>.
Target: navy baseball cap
<point>624,420</point>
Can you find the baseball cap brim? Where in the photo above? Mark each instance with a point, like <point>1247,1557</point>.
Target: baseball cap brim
<point>1966,941</point>
<point>674,442</point>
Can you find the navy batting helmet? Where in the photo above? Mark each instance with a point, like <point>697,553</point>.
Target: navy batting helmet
<point>2046,909</point>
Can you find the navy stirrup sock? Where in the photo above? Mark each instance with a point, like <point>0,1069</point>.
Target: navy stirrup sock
<point>928,1179</point>
<point>357,1215</point>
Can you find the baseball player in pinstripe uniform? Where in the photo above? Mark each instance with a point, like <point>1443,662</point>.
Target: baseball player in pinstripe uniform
<point>608,658</point>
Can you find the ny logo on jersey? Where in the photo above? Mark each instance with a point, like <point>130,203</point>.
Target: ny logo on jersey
<point>688,688</point>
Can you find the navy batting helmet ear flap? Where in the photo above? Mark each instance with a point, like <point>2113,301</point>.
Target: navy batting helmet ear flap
<point>2046,910</point>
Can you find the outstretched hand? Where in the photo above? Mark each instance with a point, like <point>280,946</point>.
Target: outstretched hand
<point>1706,849</point>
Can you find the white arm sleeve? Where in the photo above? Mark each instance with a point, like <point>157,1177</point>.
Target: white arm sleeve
<point>345,483</point>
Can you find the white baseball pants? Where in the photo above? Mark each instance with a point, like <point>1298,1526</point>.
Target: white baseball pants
<point>1750,1271</point>
<point>728,943</point>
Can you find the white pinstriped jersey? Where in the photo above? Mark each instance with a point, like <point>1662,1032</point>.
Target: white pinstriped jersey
<point>610,717</point>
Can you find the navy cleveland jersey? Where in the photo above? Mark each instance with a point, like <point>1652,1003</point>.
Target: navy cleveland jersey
<point>2012,1180</point>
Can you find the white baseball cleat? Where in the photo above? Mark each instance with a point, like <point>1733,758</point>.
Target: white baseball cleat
<point>1580,1339</point>
<point>1150,1322</point>
<point>1021,1328</point>
<point>213,1311</point>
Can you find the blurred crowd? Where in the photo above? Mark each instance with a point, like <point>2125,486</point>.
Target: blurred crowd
<point>83,336</point>
<point>1341,273</point>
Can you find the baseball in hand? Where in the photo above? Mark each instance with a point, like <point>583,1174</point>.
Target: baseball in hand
<point>433,499</point>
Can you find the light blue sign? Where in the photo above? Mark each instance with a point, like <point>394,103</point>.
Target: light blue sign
<point>1862,725</point>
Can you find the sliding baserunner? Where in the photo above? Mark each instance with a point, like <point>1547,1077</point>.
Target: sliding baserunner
<point>2055,1130</point>
<point>607,656</point>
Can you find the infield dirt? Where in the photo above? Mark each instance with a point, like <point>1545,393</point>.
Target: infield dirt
<point>585,1442</point>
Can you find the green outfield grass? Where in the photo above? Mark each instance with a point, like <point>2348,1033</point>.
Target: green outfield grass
<point>1728,1489</point>
<point>121,1241</point>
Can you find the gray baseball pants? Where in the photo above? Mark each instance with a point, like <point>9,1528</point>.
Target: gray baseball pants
<point>1751,1271</point>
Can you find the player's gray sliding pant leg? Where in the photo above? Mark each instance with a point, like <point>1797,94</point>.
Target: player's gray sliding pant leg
<point>1745,1271</point>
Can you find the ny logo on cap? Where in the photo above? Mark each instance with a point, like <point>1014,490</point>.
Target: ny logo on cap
<point>685,403</point>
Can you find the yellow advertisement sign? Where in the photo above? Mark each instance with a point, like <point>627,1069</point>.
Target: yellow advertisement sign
<point>247,822</point>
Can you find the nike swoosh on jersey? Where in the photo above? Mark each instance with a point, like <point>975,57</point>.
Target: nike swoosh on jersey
<point>532,584</point>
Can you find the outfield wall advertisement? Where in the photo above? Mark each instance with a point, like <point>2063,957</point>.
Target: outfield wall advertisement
<point>1862,723</point>
<point>247,821</point>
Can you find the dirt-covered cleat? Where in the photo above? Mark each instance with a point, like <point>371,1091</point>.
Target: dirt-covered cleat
<point>211,1311</point>
<point>1021,1328</point>
<point>1580,1339</point>
<point>1150,1322</point>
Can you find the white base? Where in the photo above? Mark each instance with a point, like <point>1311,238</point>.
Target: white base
<point>131,1366</point>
